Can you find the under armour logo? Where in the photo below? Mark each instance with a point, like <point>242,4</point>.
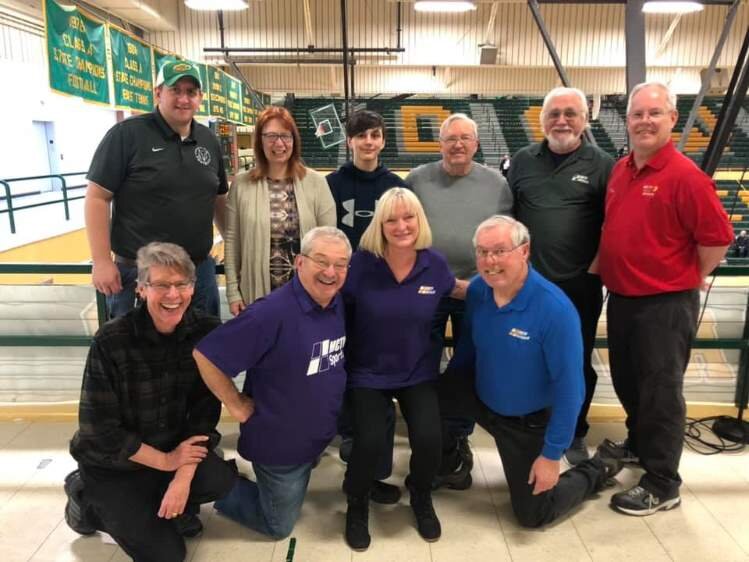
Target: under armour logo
<point>351,213</point>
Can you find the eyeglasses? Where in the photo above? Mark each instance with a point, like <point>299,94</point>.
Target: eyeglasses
<point>568,114</point>
<point>652,114</point>
<point>160,287</point>
<point>324,264</point>
<point>271,138</point>
<point>465,139</point>
<point>178,92</point>
<point>484,253</point>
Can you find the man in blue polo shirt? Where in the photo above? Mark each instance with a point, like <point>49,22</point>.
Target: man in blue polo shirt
<point>291,345</point>
<point>518,372</point>
<point>156,177</point>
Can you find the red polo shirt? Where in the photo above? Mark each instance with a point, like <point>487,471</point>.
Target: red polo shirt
<point>655,219</point>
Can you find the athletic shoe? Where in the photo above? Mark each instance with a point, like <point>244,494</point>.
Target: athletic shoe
<point>577,452</point>
<point>618,450</point>
<point>640,502</point>
<point>76,510</point>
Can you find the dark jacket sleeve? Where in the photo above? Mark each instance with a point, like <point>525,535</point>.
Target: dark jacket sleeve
<point>102,439</point>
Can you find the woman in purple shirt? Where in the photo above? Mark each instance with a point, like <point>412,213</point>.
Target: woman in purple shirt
<point>393,288</point>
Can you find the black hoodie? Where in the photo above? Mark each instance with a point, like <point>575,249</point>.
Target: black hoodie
<point>355,192</point>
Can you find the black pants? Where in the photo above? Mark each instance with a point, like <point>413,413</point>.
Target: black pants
<point>420,409</point>
<point>519,441</point>
<point>126,504</point>
<point>345,426</point>
<point>586,294</point>
<point>453,310</point>
<point>650,341</point>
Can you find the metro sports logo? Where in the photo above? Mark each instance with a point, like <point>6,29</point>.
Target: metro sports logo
<point>325,354</point>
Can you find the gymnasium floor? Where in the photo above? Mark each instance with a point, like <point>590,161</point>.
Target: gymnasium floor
<point>712,524</point>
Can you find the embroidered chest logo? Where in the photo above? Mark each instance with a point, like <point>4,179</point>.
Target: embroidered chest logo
<point>649,190</point>
<point>581,179</point>
<point>427,290</point>
<point>519,334</point>
<point>202,155</point>
<point>325,355</point>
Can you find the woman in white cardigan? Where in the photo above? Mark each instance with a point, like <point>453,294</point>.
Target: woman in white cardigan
<point>269,210</point>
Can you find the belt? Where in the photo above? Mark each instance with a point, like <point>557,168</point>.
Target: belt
<point>129,262</point>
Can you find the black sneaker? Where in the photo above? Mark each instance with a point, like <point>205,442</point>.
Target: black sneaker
<point>345,448</point>
<point>426,519</point>
<point>618,450</point>
<point>577,452</point>
<point>611,467</point>
<point>77,514</point>
<point>465,453</point>
<point>458,479</point>
<point>357,523</point>
<point>640,502</point>
<point>384,493</point>
<point>188,525</point>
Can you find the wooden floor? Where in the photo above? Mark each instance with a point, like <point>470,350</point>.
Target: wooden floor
<point>711,524</point>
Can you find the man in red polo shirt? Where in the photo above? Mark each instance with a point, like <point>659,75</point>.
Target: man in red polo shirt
<point>664,232</point>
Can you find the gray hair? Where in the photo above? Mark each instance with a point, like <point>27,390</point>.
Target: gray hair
<point>670,96</point>
<point>564,91</point>
<point>164,254</point>
<point>324,232</point>
<point>519,233</point>
<point>458,117</point>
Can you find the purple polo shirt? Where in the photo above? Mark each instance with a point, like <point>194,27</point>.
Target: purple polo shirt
<point>389,324</point>
<point>292,350</point>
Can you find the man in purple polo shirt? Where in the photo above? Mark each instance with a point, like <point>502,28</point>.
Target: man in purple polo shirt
<point>291,345</point>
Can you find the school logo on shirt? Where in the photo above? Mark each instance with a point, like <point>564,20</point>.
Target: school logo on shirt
<point>351,212</point>
<point>325,355</point>
<point>202,155</point>
<point>519,334</point>
<point>427,290</point>
<point>580,178</point>
<point>649,190</point>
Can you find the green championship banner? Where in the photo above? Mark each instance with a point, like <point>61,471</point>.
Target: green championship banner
<point>216,92</point>
<point>233,99</point>
<point>76,53</point>
<point>131,69</point>
<point>160,58</point>
<point>203,110</point>
<point>248,110</point>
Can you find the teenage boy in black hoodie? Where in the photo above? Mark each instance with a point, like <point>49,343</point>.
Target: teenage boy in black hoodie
<point>356,186</point>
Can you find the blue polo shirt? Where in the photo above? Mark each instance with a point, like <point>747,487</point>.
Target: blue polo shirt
<point>292,350</point>
<point>528,355</point>
<point>389,324</point>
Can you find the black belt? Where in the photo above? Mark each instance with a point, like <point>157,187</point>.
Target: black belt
<point>129,262</point>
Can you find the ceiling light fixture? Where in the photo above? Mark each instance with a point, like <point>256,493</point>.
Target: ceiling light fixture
<point>449,6</point>
<point>216,5</point>
<point>666,7</point>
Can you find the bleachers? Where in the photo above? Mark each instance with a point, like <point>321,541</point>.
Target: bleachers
<point>506,124</point>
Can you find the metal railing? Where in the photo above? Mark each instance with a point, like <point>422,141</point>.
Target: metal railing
<point>66,198</point>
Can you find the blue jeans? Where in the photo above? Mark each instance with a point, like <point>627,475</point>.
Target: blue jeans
<point>453,309</point>
<point>272,504</point>
<point>204,298</point>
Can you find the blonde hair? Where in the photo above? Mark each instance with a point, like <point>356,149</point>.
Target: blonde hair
<point>373,240</point>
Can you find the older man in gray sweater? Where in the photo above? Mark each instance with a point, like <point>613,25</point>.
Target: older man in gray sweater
<point>458,194</point>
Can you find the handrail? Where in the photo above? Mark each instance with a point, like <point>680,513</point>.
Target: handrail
<point>65,197</point>
<point>76,268</point>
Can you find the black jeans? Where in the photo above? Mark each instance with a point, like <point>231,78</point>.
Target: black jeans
<point>346,431</point>
<point>586,294</point>
<point>420,409</point>
<point>519,441</point>
<point>454,310</point>
<point>126,504</point>
<point>650,340</point>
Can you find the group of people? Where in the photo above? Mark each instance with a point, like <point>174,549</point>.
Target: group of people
<point>341,291</point>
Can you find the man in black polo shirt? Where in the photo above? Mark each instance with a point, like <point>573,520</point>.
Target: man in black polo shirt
<point>559,187</point>
<point>165,174</point>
